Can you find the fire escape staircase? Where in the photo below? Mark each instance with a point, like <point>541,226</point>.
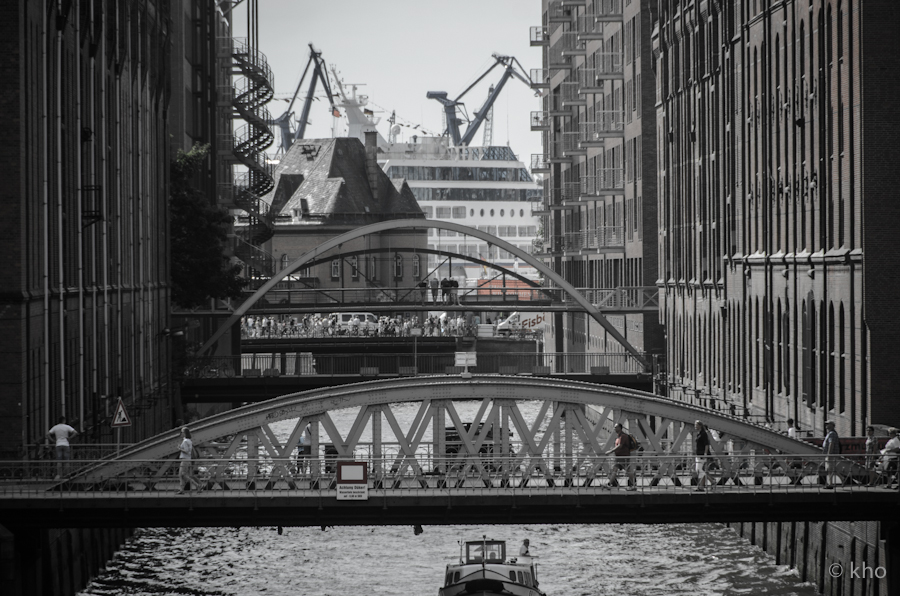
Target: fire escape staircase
<point>251,91</point>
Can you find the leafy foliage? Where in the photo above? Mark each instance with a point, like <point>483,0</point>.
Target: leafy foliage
<point>198,235</point>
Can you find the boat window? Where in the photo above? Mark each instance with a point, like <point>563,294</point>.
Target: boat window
<point>512,575</point>
<point>527,581</point>
<point>456,577</point>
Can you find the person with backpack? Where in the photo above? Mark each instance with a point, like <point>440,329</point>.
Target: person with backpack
<point>831,446</point>
<point>622,451</point>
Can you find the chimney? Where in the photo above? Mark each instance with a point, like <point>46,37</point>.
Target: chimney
<point>372,168</point>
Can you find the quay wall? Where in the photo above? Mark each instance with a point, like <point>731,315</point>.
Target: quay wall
<point>816,549</point>
<point>56,562</point>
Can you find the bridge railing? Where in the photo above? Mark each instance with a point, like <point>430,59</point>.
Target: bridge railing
<point>647,472</point>
<point>408,364</point>
<point>325,298</point>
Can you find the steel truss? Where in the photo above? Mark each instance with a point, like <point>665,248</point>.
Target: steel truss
<point>500,445</point>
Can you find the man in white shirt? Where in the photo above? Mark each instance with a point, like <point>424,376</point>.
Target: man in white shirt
<point>60,434</point>
<point>523,550</point>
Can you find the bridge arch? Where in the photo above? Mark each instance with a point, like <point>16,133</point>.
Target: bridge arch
<point>383,226</point>
<point>570,419</point>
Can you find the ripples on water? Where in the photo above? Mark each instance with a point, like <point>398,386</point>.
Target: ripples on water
<point>695,559</point>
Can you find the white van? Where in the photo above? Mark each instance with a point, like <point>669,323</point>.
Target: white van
<point>367,321</point>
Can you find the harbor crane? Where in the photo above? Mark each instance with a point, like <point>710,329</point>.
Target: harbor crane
<point>512,69</point>
<point>283,122</point>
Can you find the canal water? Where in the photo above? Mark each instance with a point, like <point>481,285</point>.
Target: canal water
<point>625,560</point>
<point>573,560</point>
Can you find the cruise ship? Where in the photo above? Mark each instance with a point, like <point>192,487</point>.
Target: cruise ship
<point>487,188</point>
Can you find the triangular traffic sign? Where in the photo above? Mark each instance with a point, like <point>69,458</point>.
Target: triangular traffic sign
<point>120,418</point>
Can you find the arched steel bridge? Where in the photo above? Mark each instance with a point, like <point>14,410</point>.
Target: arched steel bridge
<point>485,449</point>
<point>323,249</point>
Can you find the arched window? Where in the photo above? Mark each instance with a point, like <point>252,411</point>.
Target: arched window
<point>284,261</point>
<point>336,269</point>
<point>416,267</point>
<point>354,267</point>
<point>398,265</point>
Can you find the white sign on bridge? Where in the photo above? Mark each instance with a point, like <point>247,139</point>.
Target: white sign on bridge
<point>352,481</point>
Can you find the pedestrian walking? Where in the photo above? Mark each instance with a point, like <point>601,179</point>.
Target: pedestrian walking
<point>622,451</point>
<point>186,455</point>
<point>701,453</point>
<point>60,435</point>
<point>831,446</point>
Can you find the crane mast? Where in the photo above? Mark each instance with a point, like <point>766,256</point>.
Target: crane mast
<point>512,68</point>
<point>283,122</point>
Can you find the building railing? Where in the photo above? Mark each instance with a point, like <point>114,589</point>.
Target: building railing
<point>540,121</point>
<point>605,180</point>
<point>496,467</point>
<point>538,36</point>
<point>604,123</point>
<point>624,298</point>
<point>601,237</point>
<point>539,163</point>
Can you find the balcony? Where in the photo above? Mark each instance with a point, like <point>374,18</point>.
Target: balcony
<point>609,67</point>
<point>540,78</point>
<point>607,11</point>
<point>539,164</point>
<point>557,152</point>
<point>570,96</point>
<point>607,125</point>
<point>539,36</point>
<point>540,121</point>
<point>539,208</point>
<point>558,12</point>
<point>571,143</point>
<point>607,238</point>
<point>556,58</point>
<point>607,182</point>
<point>571,45</point>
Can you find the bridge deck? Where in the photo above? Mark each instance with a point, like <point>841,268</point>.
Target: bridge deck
<point>434,506</point>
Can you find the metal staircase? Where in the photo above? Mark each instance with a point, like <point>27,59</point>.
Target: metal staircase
<point>249,94</point>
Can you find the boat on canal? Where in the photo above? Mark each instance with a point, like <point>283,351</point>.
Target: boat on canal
<point>485,570</point>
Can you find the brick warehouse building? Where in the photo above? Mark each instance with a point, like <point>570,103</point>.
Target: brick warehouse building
<point>84,297</point>
<point>777,259</point>
<point>599,209</point>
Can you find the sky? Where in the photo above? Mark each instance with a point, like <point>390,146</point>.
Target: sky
<point>397,50</point>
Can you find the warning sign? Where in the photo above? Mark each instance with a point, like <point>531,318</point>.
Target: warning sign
<point>352,481</point>
<point>120,418</point>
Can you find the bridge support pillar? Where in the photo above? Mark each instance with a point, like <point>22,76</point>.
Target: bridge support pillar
<point>891,531</point>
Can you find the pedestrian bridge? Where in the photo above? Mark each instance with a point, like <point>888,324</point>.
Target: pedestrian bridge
<point>438,450</point>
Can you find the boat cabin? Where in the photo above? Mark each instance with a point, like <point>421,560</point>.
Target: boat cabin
<point>486,551</point>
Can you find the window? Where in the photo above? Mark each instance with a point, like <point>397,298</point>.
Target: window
<point>492,213</point>
<point>502,213</point>
<point>354,268</point>
<point>398,265</point>
<point>416,265</point>
<point>284,261</point>
<point>443,212</point>
<point>508,230</point>
<point>429,212</point>
<point>459,213</point>
<point>373,271</point>
<point>336,269</point>
<point>482,213</point>
<point>471,213</point>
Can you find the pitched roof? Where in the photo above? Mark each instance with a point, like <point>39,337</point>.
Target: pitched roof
<point>331,176</point>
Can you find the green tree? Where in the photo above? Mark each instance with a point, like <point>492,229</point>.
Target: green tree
<point>198,235</point>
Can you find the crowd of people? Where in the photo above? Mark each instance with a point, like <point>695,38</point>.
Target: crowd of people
<point>315,325</point>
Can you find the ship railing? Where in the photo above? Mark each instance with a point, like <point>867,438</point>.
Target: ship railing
<point>497,466</point>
